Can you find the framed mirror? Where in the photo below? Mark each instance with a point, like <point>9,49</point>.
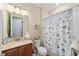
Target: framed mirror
<point>15,25</point>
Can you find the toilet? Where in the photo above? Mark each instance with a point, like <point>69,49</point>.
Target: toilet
<point>42,51</point>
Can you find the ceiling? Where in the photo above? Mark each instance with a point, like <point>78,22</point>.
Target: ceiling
<point>52,6</point>
<point>46,6</point>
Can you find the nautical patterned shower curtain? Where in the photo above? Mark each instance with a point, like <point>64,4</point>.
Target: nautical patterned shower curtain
<point>58,32</point>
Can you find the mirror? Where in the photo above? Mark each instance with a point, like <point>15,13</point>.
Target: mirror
<point>15,24</point>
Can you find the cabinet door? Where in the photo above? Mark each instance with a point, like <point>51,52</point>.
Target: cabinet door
<point>12,52</point>
<point>25,50</point>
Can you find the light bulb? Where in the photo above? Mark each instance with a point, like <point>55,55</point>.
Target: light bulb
<point>10,8</point>
<point>17,10</point>
<point>57,4</point>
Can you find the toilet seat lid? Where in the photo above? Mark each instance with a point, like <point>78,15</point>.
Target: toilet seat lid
<point>42,49</point>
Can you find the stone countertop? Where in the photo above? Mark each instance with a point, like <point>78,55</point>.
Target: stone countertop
<point>15,44</point>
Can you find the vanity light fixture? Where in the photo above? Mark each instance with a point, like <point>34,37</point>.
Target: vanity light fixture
<point>17,10</point>
<point>10,8</point>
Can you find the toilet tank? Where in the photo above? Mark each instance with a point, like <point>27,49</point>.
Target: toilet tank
<point>37,43</point>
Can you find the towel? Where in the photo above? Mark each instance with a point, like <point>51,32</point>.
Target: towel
<point>74,46</point>
<point>27,36</point>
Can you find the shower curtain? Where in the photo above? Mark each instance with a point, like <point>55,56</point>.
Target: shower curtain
<point>57,32</point>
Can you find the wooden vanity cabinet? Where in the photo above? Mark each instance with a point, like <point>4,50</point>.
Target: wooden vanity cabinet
<point>25,50</point>
<point>11,52</point>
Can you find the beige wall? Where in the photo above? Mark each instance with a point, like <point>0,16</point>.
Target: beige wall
<point>35,14</point>
<point>5,20</point>
<point>26,24</point>
<point>1,17</point>
<point>44,14</point>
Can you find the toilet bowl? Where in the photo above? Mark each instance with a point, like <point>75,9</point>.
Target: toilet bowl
<point>42,51</point>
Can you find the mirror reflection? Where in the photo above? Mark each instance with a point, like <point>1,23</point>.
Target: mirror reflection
<point>15,28</point>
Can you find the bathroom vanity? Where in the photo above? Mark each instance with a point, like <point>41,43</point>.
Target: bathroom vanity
<point>19,48</point>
